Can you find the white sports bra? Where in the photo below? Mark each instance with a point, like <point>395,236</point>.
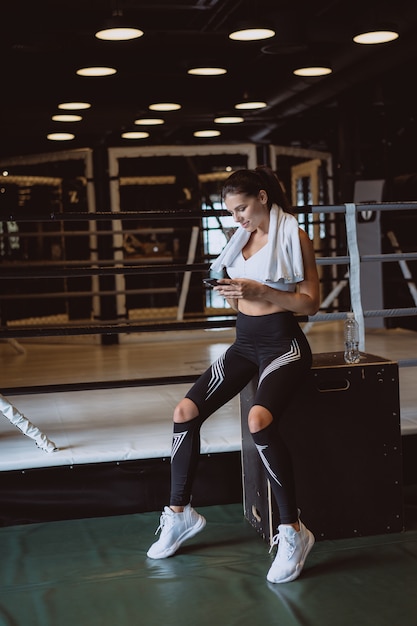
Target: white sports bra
<point>253,268</point>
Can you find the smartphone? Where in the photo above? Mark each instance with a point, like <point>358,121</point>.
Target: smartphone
<point>211,282</point>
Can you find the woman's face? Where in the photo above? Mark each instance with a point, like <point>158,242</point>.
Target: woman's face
<point>251,212</point>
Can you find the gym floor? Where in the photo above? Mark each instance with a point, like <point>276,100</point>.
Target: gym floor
<point>94,572</point>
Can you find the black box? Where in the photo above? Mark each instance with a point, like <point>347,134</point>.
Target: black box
<point>343,430</point>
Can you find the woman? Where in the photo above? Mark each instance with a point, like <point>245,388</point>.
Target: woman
<point>272,274</point>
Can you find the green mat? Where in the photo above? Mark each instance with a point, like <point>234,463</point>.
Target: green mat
<point>94,572</point>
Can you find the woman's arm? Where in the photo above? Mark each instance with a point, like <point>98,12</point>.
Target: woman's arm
<point>305,300</point>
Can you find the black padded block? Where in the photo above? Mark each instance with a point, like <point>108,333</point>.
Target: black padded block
<point>343,430</point>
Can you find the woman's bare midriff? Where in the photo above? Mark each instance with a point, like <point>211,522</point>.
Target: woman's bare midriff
<point>258,308</point>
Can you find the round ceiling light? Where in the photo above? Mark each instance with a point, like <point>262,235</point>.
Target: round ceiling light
<point>74,106</point>
<point>119,33</point>
<point>376,36</point>
<point>229,120</point>
<point>206,133</point>
<point>252,34</point>
<point>164,106</point>
<point>151,121</point>
<point>250,105</point>
<point>96,71</point>
<point>67,118</point>
<point>135,135</point>
<point>314,70</point>
<point>60,136</point>
<point>207,71</point>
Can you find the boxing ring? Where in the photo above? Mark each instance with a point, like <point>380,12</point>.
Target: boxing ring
<point>103,389</point>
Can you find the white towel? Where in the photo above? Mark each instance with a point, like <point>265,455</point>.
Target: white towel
<point>284,256</point>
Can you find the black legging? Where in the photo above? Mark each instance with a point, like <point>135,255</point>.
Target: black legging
<point>274,347</point>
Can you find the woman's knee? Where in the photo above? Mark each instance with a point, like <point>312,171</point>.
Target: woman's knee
<point>185,411</point>
<point>259,418</point>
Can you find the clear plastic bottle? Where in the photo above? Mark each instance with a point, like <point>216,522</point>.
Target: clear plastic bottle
<point>351,354</point>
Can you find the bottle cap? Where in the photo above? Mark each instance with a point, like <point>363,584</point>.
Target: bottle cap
<point>350,315</point>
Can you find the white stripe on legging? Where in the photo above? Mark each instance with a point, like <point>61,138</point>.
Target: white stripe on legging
<point>177,440</point>
<point>217,376</point>
<point>294,354</point>
<point>265,462</point>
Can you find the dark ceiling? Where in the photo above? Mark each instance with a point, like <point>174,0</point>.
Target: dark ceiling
<point>44,42</point>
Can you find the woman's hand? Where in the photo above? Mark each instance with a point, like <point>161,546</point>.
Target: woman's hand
<point>237,288</point>
<point>260,298</point>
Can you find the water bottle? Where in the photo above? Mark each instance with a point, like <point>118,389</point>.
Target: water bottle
<point>351,354</point>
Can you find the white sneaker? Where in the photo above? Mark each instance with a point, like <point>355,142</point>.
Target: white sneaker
<point>293,548</point>
<point>175,529</point>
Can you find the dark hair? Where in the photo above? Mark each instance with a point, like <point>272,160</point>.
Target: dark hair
<point>250,183</point>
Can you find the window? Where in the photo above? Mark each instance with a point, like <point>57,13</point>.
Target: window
<point>217,230</point>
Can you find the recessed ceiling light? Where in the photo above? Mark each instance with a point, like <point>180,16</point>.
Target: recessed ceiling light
<point>164,106</point>
<point>60,136</point>
<point>252,34</point>
<point>67,118</point>
<point>207,71</point>
<point>248,105</point>
<point>151,121</point>
<point>314,70</point>
<point>135,135</point>
<point>74,106</point>
<point>117,28</point>
<point>96,71</point>
<point>376,36</point>
<point>206,133</point>
<point>119,33</point>
<point>229,120</point>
